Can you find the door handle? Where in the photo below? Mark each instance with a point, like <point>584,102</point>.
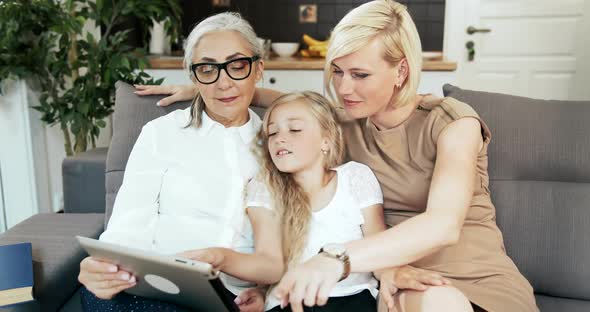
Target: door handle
<point>472,30</point>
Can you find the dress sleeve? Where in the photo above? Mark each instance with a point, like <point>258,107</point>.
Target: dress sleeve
<point>258,195</point>
<point>450,110</point>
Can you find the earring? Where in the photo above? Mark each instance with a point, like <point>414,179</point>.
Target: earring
<point>325,152</point>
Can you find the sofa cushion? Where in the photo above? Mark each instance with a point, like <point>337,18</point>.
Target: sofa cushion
<point>550,304</point>
<point>545,226</point>
<point>56,253</point>
<point>540,182</point>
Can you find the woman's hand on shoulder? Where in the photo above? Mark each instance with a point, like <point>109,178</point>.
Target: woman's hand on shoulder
<point>310,283</point>
<point>104,279</point>
<point>406,277</point>
<point>177,92</point>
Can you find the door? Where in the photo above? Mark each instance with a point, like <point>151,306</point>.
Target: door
<point>533,48</point>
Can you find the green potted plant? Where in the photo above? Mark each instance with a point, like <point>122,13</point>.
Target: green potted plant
<point>44,42</point>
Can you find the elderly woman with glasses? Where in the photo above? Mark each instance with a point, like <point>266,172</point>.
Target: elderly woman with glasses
<point>183,188</point>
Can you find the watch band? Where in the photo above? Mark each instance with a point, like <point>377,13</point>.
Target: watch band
<point>342,258</point>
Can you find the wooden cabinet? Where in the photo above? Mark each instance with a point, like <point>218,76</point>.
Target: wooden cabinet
<point>293,80</point>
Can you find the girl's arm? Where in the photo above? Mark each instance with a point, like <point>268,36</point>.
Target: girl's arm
<point>374,223</point>
<point>264,266</point>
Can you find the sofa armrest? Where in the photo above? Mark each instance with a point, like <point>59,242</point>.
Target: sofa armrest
<point>83,182</point>
<point>56,253</point>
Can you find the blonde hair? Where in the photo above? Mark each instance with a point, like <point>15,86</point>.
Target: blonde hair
<point>227,21</point>
<point>289,198</point>
<point>389,22</point>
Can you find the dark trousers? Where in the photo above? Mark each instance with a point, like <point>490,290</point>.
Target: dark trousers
<point>124,302</point>
<point>362,301</point>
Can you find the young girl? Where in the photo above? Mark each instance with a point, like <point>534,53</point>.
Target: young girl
<point>319,199</point>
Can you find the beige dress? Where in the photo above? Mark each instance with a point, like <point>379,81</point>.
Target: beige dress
<point>403,160</point>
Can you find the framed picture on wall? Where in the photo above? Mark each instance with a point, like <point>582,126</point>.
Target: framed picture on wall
<point>308,13</point>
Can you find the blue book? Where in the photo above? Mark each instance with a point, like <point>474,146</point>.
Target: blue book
<point>16,274</point>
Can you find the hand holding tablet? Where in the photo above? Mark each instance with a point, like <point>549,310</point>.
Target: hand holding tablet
<point>174,279</point>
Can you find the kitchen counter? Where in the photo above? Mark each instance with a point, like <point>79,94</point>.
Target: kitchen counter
<point>436,63</point>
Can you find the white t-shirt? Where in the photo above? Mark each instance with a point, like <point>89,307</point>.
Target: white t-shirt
<point>183,188</point>
<point>338,222</point>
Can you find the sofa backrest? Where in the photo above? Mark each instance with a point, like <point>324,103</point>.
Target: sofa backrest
<point>539,166</point>
<point>539,177</point>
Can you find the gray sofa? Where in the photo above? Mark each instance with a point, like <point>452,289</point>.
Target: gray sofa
<point>540,179</point>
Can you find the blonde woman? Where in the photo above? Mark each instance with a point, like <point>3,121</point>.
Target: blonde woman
<point>319,199</point>
<point>430,157</point>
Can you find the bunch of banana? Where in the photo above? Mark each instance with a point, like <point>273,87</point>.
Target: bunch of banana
<point>315,47</point>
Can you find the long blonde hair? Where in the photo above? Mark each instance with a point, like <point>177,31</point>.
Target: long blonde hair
<point>289,198</point>
<point>390,22</point>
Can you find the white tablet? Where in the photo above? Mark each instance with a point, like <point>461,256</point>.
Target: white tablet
<point>185,282</point>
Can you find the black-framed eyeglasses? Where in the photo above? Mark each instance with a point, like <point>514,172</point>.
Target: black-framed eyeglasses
<point>236,69</point>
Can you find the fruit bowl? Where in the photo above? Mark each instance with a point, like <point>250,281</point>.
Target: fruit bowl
<point>285,49</point>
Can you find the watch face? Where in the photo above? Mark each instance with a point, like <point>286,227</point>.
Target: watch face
<point>335,249</point>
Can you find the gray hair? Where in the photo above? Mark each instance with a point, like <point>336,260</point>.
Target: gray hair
<point>228,21</point>
<point>220,22</point>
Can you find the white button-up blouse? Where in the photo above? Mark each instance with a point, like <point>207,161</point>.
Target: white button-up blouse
<point>184,186</point>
